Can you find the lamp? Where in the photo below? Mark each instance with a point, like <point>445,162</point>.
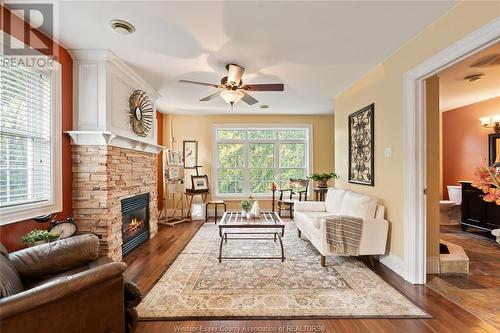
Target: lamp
<point>491,122</point>
<point>231,96</point>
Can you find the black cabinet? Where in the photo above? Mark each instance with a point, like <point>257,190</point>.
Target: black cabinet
<point>476,212</point>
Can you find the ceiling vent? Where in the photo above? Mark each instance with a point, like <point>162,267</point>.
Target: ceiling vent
<point>122,27</point>
<point>487,61</point>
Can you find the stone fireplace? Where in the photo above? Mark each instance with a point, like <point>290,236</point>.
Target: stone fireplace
<point>105,177</point>
<point>112,165</point>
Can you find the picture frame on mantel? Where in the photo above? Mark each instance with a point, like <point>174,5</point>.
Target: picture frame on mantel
<point>190,154</point>
<point>362,146</point>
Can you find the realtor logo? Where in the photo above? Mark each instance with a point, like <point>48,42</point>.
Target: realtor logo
<point>36,48</point>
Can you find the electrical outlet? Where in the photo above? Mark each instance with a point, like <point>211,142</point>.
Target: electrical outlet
<point>388,152</point>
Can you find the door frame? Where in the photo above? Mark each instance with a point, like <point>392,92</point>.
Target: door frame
<point>415,146</point>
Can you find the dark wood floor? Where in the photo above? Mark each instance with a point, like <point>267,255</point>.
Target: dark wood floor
<point>479,291</point>
<point>147,263</point>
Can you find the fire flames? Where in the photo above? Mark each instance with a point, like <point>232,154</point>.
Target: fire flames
<point>134,225</point>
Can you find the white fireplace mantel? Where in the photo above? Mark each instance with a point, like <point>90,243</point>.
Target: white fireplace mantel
<point>102,85</point>
<point>97,138</point>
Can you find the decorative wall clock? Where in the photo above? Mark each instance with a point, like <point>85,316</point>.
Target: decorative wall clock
<point>361,146</point>
<point>141,113</point>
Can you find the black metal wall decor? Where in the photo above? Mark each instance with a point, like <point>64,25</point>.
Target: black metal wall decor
<point>361,146</point>
<point>140,113</point>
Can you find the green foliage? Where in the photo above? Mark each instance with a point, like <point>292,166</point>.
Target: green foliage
<point>39,235</point>
<point>246,205</point>
<point>230,134</point>
<point>268,159</point>
<point>323,176</point>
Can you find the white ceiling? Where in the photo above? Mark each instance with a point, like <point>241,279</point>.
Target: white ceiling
<point>317,49</point>
<point>455,92</point>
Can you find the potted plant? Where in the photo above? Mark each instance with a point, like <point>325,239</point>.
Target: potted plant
<point>37,237</point>
<point>323,178</point>
<point>246,206</point>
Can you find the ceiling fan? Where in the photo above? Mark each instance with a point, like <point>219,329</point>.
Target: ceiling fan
<point>232,89</point>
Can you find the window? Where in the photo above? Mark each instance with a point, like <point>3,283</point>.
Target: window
<point>30,142</point>
<point>249,158</point>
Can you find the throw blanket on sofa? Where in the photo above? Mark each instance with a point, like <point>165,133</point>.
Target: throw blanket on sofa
<point>343,234</point>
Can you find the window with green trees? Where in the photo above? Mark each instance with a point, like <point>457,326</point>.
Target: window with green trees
<point>249,159</point>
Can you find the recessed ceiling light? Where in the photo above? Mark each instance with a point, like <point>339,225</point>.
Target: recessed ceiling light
<point>122,27</point>
<point>474,77</point>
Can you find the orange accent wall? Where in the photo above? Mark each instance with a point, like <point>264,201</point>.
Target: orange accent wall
<point>159,159</point>
<point>465,140</point>
<point>10,234</point>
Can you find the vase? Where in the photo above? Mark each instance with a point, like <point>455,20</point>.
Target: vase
<point>249,215</point>
<point>322,183</point>
<point>255,211</point>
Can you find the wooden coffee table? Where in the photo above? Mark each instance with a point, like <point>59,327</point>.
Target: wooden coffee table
<point>268,223</point>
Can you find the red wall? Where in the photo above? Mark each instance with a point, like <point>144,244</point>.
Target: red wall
<point>465,140</point>
<point>10,234</point>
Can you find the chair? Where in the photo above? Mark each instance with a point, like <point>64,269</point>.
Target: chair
<point>64,286</point>
<point>288,202</point>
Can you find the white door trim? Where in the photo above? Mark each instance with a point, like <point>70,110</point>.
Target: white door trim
<point>414,160</point>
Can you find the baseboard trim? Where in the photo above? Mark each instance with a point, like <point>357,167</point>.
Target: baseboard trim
<point>432,265</point>
<point>394,263</point>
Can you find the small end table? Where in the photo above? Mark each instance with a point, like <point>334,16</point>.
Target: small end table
<point>216,203</point>
<point>319,193</point>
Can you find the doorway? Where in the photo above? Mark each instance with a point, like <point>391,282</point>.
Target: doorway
<point>415,179</point>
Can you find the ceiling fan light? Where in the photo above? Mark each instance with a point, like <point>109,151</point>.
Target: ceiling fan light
<point>231,96</point>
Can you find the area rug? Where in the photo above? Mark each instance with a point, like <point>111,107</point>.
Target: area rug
<point>196,285</point>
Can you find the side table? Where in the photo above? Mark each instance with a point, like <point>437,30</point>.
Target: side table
<point>216,203</point>
<point>319,193</point>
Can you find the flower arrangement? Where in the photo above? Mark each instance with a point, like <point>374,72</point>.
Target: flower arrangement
<point>246,205</point>
<point>488,181</point>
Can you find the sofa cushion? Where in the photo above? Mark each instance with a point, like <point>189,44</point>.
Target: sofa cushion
<point>358,205</point>
<point>333,200</point>
<point>10,282</point>
<point>313,218</point>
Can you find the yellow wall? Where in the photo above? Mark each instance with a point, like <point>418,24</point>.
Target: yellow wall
<point>383,86</point>
<point>199,127</point>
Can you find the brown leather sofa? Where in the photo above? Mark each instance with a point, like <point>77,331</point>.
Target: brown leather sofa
<point>64,286</point>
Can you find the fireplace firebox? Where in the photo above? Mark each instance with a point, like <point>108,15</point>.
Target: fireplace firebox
<point>135,222</point>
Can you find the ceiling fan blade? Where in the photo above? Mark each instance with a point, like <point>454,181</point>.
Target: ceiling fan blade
<point>264,87</point>
<point>248,99</point>
<point>234,73</point>
<point>200,83</point>
<point>209,97</point>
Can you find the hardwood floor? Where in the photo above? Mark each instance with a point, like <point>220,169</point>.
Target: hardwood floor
<point>479,291</point>
<point>147,263</point>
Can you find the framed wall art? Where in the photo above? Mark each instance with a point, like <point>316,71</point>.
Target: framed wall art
<point>361,146</point>
<point>190,152</point>
<point>199,183</point>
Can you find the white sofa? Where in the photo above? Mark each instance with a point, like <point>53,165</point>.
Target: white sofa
<point>310,219</point>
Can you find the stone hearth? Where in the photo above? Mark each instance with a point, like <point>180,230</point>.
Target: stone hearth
<point>103,176</point>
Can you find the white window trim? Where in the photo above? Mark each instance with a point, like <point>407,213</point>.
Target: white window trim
<point>214,186</point>
<point>12,214</point>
